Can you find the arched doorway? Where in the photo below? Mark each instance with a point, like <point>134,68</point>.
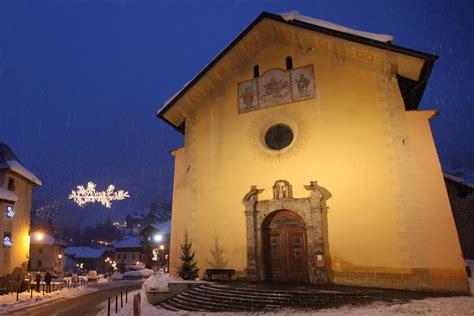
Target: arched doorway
<point>285,247</point>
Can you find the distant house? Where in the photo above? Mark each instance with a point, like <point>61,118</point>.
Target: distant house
<point>461,197</point>
<point>16,185</point>
<point>156,237</point>
<point>128,250</point>
<point>88,258</point>
<point>46,252</point>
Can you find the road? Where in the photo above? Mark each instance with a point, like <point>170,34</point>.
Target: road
<point>86,304</point>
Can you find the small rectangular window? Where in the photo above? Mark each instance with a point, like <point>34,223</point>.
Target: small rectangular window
<point>118,256</point>
<point>40,250</point>
<point>11,184</point>
<point>133,256</point>
<point>40,264</point>
<point>124,257</point>
<point>256,71</point>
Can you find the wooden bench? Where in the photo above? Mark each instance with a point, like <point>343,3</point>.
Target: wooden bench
<point>227,272</point>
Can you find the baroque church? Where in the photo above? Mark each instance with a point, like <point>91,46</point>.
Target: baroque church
<point>306,159</point>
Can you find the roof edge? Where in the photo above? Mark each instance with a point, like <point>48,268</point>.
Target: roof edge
<point>429,58</point>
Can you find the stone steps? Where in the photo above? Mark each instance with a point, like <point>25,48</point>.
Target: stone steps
<point>230,298</point>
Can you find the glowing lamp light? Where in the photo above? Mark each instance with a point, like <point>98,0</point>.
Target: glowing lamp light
<point>162,247</point>
<point>39,236</point>
<point>60,256</point>
<point>158,237</point>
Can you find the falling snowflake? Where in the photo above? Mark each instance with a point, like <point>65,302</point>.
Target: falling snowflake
<point>88,194</point>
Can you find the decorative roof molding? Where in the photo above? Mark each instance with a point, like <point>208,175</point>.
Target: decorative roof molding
<point>412,90</point>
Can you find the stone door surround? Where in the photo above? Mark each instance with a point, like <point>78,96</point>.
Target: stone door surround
<point>309,209</point>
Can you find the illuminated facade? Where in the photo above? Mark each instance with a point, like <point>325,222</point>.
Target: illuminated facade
<point>16,185</point>
<point>306,158</point>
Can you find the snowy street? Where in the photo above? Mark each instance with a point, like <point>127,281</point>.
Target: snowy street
<point>88,301</point>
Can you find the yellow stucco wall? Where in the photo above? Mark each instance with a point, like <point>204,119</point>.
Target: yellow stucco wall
<point>19,225</point>
<point>377,162</point>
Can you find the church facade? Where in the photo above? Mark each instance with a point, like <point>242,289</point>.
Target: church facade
<point>306,159</point>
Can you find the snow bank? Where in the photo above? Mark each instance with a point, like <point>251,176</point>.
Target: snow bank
<point>158,283</point>
<point>117,276</point>
<point>294,15</point>
<point>139,273</point>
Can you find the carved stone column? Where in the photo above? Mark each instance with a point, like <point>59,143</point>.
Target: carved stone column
<point>250,201</point>
<point>319,274</point>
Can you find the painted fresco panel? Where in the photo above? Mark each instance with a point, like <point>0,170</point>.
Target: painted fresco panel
<point>248,96</point>
<point>275,87</point>
<point>303,86</point>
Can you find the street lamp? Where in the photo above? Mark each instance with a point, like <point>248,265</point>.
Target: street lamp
<point>158,237</point>
<point>60,256</point>
<point>39,236</point>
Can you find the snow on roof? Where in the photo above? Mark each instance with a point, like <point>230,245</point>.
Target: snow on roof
<point>458,179</point>
<point>69,262</point>
<point>46,240</point>
<point>295,15</point>
<point>16,167</point>
<point>7,195</point>
<point>84,252</point>
<point>8,160</point>
<point>452,177</point>
<point>129,242</point>
<point>164,227</point>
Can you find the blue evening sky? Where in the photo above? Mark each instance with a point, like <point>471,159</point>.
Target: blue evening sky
<point>81,81</point>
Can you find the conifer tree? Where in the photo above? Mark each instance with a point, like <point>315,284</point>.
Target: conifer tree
<point>217,253</point>
<point>188,269</point>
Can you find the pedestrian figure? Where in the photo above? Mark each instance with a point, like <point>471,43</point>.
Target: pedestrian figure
<point>38,281</point>
<point>47,280</point>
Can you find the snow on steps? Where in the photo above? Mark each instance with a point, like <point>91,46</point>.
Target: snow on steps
<point>220,298</point>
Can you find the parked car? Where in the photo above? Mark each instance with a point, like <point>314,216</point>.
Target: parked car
<point>92,275</point>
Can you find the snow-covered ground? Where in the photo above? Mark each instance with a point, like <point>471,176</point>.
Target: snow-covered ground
<point>458,305</point>
<point>8,303</point>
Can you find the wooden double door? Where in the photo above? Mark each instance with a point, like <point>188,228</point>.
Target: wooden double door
<point>285,247</point>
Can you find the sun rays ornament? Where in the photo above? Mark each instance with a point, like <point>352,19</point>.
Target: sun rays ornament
<point>88,194</point>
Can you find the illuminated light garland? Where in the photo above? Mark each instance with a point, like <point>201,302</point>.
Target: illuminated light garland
<point>10,212</point>
<point>88,194</point>
<point>7,242</point>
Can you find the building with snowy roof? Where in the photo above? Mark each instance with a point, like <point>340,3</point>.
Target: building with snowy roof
<point>128,251</point>
<point>16,186</point>
<point>306,159</point>
<point>46,251</point>
<point>88,258</point>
